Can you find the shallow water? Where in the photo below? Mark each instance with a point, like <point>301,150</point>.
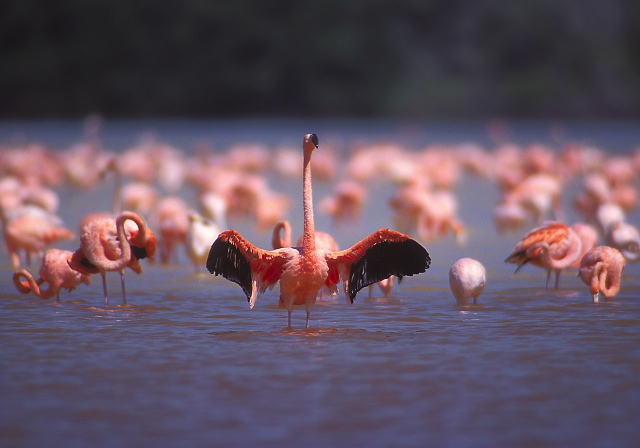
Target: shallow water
<point>187,363</point>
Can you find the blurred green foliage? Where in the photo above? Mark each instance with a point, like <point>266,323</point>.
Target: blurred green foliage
<point>336,58</point>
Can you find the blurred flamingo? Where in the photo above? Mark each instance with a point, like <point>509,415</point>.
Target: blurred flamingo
<point>31,229</point>
<point>601,269</point>
<point>303,271</point>
<point>200,235</point>
<point>171,219</point>
<point>466,279</point>
<point>554,247</point>
<point>624,237</point>
<point>55,271</point>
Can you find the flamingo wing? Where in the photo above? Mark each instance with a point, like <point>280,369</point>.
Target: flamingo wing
<point>239,261</point>
<point>378,256</point>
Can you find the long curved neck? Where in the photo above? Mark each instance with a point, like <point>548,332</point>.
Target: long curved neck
<point>278,241</point>
<point>142,235</point>
<point>309,232</point>
<point>125,245</point>
<point>608,280</point>
<point>31,285</point>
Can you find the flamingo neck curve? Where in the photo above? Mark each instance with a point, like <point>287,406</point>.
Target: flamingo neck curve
<point>608,280</point>
<point>277,240</point>
<point>572,254</point>
<point>31,285</point>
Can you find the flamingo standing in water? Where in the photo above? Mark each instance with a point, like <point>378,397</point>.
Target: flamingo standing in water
<point>554,247</point>
<point>109,245</point>
<point>31,230</point>
<point>601,269</point>
<point>466,279</point>
<point>55,271</point>
<point>302,271</point>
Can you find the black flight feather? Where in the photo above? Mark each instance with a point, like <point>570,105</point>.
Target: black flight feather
<point>387,258</point>
<point>226,259</point>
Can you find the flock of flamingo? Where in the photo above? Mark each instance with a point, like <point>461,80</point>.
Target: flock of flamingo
<point>531,181</point>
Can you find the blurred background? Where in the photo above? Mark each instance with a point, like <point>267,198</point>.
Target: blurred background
<point>419,59</point>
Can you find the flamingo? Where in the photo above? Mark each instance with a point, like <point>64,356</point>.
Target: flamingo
<point>466,279</point>
<point>554,247</point>
<point>55,271</point>
<point>31,230</point>
<point>108,245</point>
<point>199,236</point>
<point>302,271</point>
<point>626,238</point>
<point>601,269</point>
<point>172,220</point>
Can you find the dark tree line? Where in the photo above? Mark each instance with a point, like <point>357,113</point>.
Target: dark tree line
<point>402,58</point>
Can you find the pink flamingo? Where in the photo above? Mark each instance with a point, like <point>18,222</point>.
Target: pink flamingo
<point>553,247</point>
<point>108,245</point>
<point>601,269</point>
<point>172,220</point>
<point>31,232</point>
<point>466,279</point>
<point>303,271</point>
<point>55,271</point>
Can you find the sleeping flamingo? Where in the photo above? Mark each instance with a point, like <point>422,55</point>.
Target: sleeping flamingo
<point>302,271</point>
<point>601,269</point>
<point>55,271</point>
<point>554,247</point>
<point>109,245</point>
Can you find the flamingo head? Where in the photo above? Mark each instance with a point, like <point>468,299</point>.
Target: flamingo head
<point>310,142</point>
<point>143,243</point>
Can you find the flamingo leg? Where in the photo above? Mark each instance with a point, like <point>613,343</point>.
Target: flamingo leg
<point>124,294</point>
<point>548,278</point>
<point>289,311</point>
<point>307,324</point>
<point>557,278</point>
<point>104,287</point>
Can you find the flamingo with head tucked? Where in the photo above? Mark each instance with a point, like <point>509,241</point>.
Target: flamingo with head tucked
<point>110,245</point>
<point>554,247</point>
<point>54,271</point>
<point>302,271</point>
<point>601,269</point>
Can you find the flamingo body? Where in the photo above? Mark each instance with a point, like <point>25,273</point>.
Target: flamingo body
<point>554,246</point>
<point>467,278</point>
<point>112,245</point>
<point>54,271</point>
